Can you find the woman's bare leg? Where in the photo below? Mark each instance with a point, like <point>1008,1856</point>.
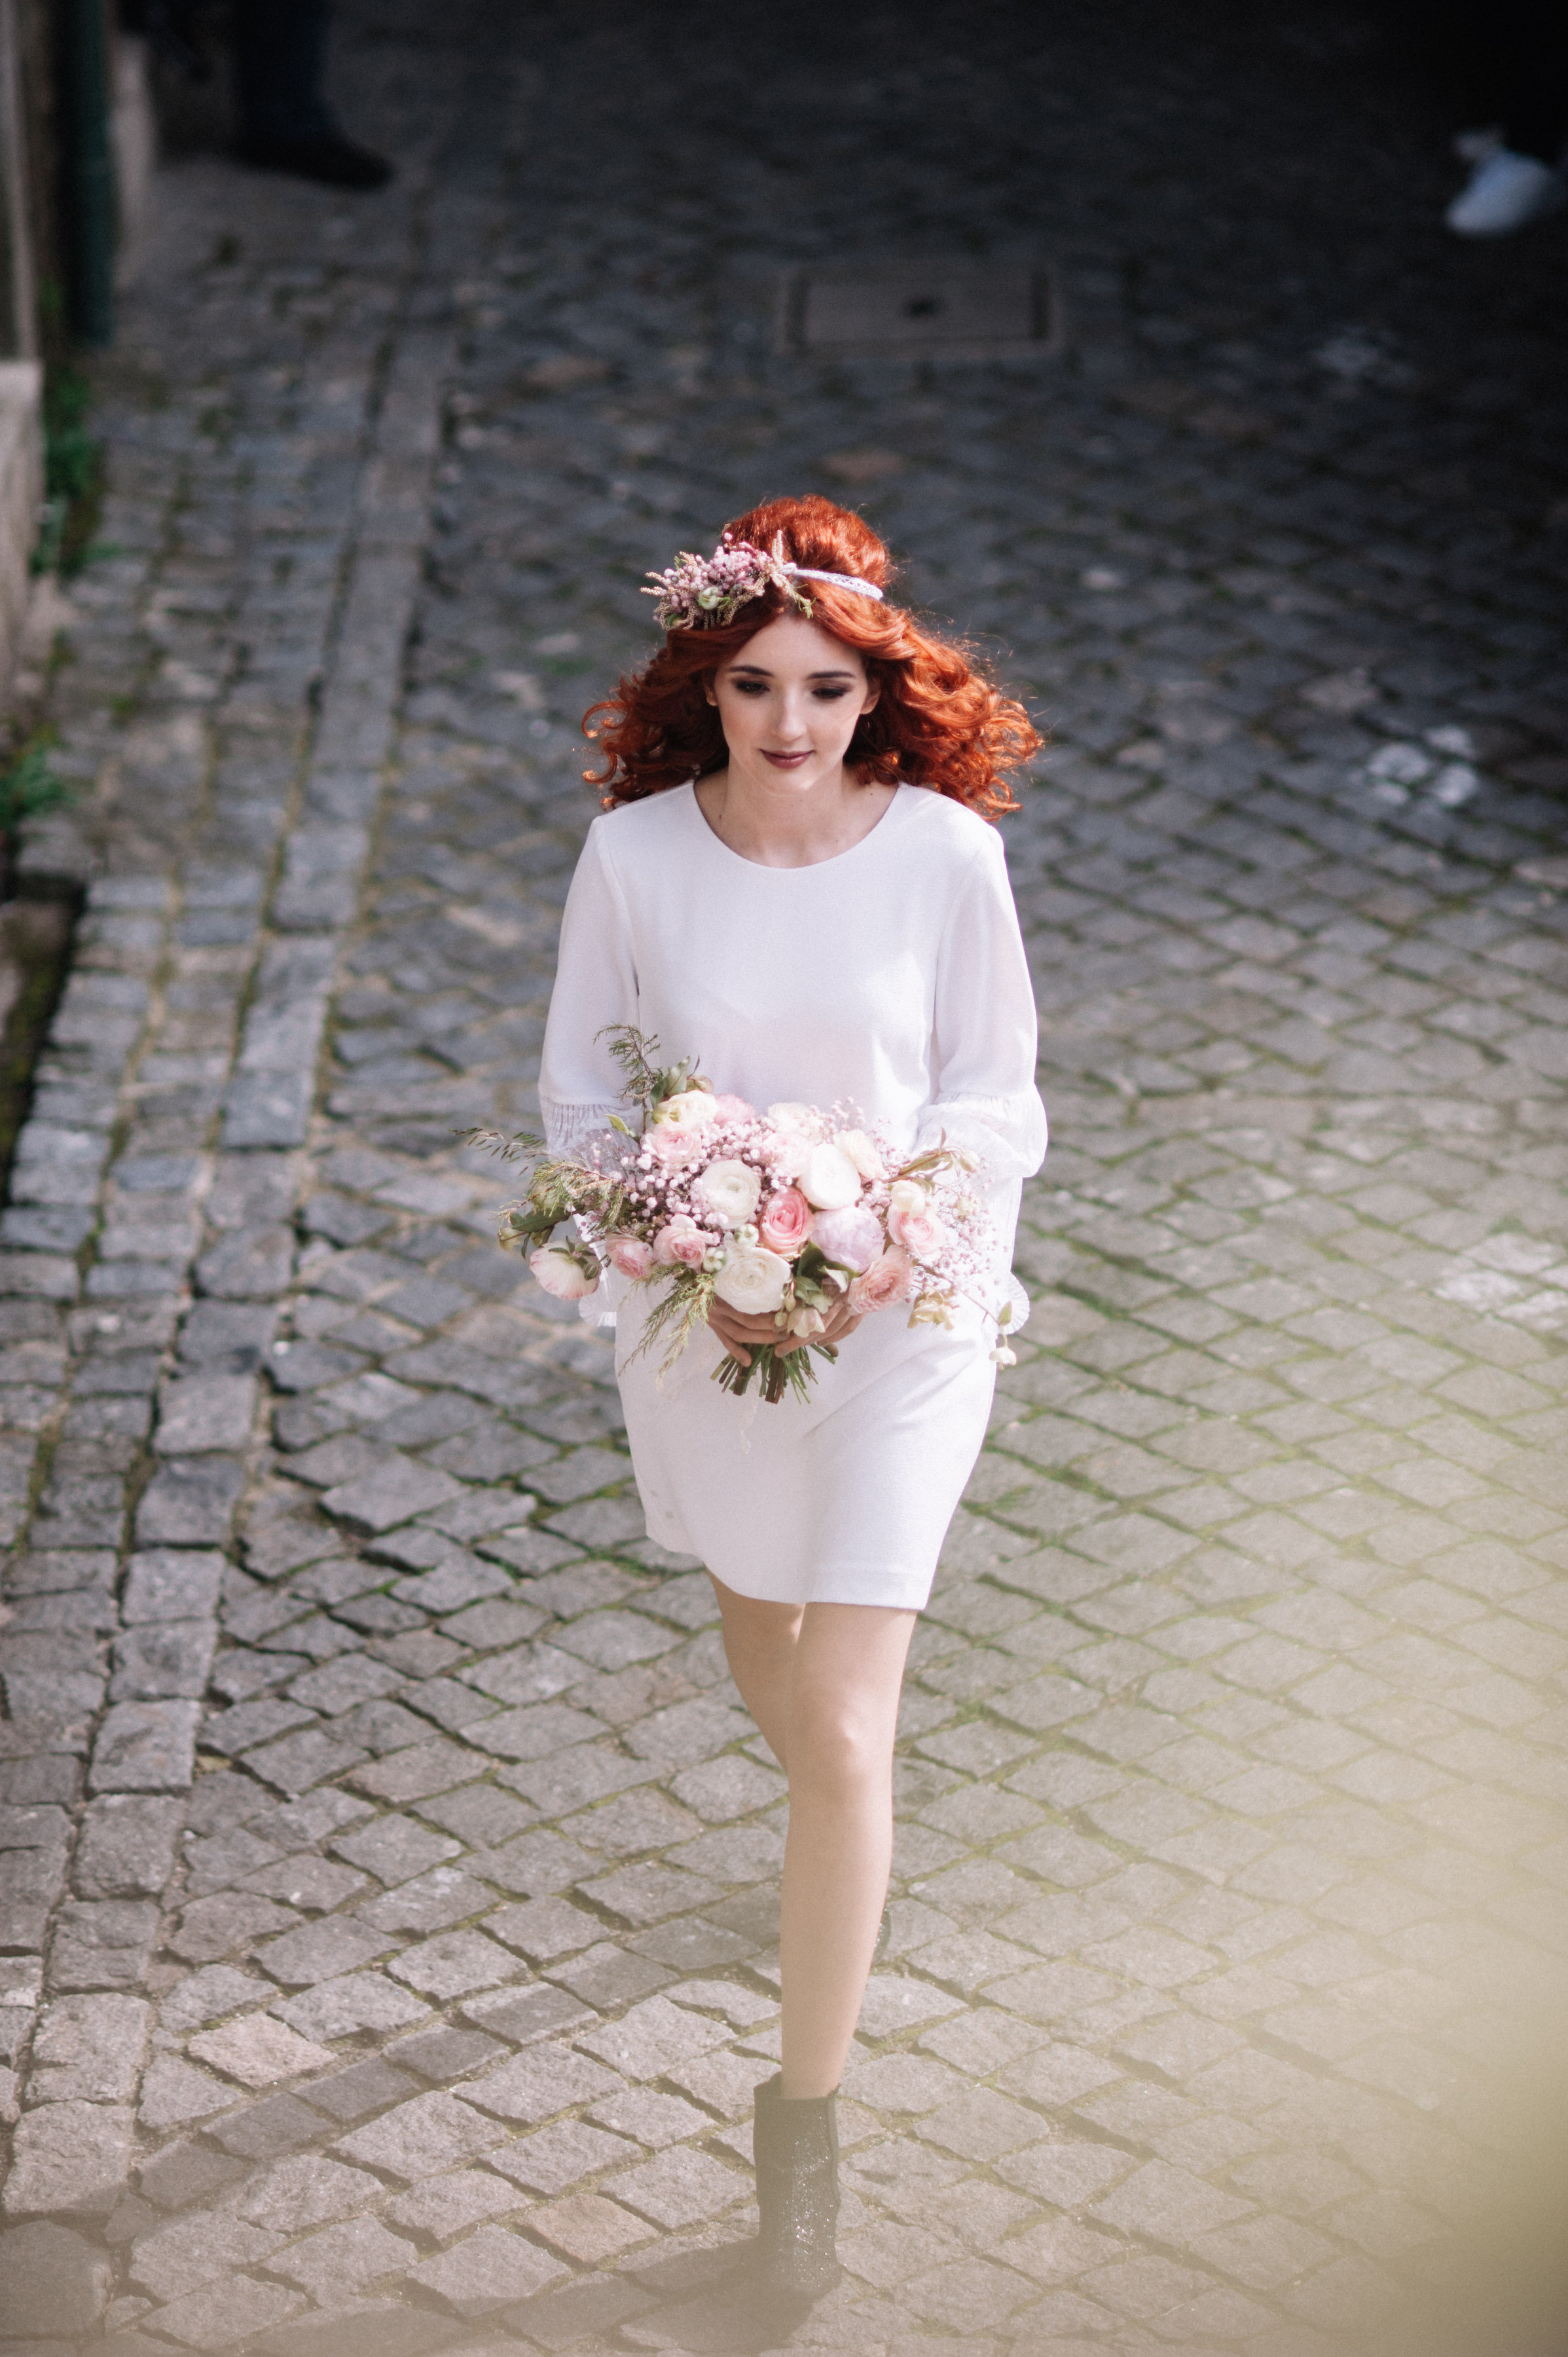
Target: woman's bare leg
<point>823,1684</point>
<point>759,1646</point>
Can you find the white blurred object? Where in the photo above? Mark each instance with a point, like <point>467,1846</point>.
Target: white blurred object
<point>1506,192</point>
<point>1455,785</point>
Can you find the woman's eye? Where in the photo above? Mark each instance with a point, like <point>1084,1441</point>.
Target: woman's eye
<point>830,695</point>
<point>749,688</point>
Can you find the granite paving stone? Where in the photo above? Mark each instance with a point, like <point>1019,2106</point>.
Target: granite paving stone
<point>335,2265</point>
<point>196,2250</point>
<point>258,2051</point>
<point>173,2094</point>
<point>52,2280</point>
<point>488,2270</point>
<point>432,2132</point>
<point>90,2048</point>
<point>320,1952</point>
<point>70,2158</point>
<point>220,2314</point>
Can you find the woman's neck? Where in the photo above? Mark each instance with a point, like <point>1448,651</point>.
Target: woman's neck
<point>782,827</point>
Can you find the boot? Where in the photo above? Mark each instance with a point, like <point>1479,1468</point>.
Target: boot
<point>796,2150</point>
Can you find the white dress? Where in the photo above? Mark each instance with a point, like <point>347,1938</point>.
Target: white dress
<point>892,976</point>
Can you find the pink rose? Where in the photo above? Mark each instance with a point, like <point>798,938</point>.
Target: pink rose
<point>631,1257</point>
<point>852,1237</point>
<point>920,1232</point>
<point>673,1145</point>
<point>886,1280</point>
<point>734,1109</point>
<point>561,1273</point>
<point>785,1222</point>
<point>680,1243</point>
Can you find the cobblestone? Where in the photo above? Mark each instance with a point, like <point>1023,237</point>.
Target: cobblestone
<point>1229,1875</point>
<point>52,2281</point>
<point>71,2157</point>
<point>90,2048</point>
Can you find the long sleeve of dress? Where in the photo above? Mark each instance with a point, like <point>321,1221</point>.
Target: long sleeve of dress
<point>596,988</point>
<point>985,1030</point>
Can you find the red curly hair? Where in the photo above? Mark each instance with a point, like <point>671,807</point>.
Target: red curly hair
<point>937,721</point>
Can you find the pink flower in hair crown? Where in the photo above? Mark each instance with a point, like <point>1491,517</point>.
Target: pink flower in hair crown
<point>712,589</point>
<point>699,589</point>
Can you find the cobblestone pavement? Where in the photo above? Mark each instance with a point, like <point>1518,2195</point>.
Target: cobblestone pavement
<point>389,1888</point>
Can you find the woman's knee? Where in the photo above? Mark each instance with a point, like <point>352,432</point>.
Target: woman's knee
<point>837,1746</point>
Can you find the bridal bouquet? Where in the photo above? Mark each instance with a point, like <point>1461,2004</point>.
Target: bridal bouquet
<point>784,1213</point>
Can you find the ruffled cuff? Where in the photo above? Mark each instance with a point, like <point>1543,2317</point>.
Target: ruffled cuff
<point>1008,1134</point>
<point>568,1128</point>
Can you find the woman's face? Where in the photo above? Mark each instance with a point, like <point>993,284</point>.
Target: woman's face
<point>789,702</point>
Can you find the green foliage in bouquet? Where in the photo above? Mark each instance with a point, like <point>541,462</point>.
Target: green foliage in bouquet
<point>646,1083</point>
<point>777,1371</point>
<point>559,1186</point>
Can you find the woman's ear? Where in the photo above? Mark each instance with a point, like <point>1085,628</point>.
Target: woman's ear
<point>871,697</point>
<point>709,690</point>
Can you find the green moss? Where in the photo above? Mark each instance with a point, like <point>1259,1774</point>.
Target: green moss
<point>73,473</point>
<point>29,788</point>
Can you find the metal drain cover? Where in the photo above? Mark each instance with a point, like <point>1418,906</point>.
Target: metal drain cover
<point>940,310</point>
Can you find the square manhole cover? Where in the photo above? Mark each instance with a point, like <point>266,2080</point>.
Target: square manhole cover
<point>940,310</point>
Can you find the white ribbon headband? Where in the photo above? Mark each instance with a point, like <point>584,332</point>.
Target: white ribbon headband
<point>838,580</point>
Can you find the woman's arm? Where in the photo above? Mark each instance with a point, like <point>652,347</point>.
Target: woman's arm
<point>595,988</point>
<point>985,1035</point>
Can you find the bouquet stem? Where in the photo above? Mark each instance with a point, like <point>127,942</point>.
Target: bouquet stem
<point>776,1371</point>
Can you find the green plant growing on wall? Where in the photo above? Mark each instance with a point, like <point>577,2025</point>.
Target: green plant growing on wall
<point>73,473</point>
<point>29,788</point>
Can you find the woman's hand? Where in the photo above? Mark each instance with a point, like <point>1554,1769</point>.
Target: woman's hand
<point>741,1335</point>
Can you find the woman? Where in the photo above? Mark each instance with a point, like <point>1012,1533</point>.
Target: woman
<point>796,885</point>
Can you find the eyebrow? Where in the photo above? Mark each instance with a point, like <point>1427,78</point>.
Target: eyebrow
<point>758,671</point>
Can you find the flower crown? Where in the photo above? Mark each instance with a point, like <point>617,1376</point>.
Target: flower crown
<point>710,589</point>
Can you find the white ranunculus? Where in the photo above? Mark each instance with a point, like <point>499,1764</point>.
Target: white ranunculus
<point>906,1194</point>
<point>561,1273</point>
<point>691,1109</point>
<point>830,1181</point>
<point>752,1280</point>
<point>728,1191</point>
<point>862,1152</point>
